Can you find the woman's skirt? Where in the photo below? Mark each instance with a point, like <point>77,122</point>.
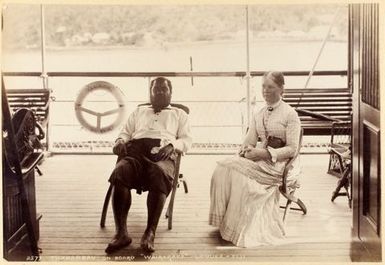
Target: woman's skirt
<point>245,201</point>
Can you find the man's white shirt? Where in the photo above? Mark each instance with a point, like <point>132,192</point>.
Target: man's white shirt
<point>171,125</point>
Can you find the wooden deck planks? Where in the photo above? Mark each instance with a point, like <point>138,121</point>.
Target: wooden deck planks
<point>70,195</point>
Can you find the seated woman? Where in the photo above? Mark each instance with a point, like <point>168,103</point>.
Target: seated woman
<point>244,189</point>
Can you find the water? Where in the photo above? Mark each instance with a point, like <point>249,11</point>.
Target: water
<point>208,116</point>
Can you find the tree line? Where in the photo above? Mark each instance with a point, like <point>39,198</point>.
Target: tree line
<point>138,25</point>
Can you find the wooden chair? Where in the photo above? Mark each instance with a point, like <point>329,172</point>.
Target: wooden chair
<point>288,191</point>
<point>178,178</point>
<point>340,142</point>
<point>346,182</point>
<point>340,158</point>
<point>20,158</point>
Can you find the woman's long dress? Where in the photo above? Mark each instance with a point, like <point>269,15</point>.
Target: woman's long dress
<point>244,194</point>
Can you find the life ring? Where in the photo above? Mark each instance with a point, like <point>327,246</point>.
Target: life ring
<point>79,109</point>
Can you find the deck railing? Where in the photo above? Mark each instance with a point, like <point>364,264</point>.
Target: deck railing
<point>218,121</point>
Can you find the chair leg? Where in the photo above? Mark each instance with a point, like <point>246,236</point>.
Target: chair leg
<point>105,206</point>
<point>184,183</point>
<point>170,207</point>
<point>290,197</point>
<point>301,206</point>
<point>348,184</point>
<point>288,202</point>
<point>343,182</point>
<point>38,171</point>
<point>330,163</point>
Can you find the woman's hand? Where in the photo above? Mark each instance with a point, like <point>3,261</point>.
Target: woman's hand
<point>256,153</point>
<point>242,151</point>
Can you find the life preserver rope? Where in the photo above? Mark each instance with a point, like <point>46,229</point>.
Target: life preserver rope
<point>79,109</point>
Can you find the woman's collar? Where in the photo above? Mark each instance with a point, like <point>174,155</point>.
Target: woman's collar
<point>276,104</point>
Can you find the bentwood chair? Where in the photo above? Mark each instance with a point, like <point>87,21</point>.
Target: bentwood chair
<point>178,178</point>
<point>286,189</point>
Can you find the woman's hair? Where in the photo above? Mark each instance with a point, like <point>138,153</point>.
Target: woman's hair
<point>276,76</point>
<point>161,80</point>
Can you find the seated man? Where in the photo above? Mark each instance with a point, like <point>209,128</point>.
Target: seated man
<point>146,149</point>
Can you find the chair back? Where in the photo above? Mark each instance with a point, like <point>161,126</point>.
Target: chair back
<point>341,134</point>
<point>176,105</point>
<point>291,161</point>
<point>289,195</point>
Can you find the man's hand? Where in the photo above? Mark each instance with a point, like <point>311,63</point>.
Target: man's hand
<point>165,152</point>
<point>119,148</point>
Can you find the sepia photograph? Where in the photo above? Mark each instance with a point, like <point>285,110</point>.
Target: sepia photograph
<point>191,132</point>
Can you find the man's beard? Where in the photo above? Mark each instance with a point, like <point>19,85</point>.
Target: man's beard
<point>160,102</point>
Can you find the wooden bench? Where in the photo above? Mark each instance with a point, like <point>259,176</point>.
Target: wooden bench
<point>35,99</point>
<point>319,108</point>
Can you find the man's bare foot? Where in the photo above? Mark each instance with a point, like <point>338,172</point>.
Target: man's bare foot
<point>118,242</point>
<point>147,241</point>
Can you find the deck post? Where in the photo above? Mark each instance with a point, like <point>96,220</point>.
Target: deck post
<point>248,77</point>
<point>44,75</point>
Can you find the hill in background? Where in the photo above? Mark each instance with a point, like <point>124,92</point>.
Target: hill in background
<point>141,26</point>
